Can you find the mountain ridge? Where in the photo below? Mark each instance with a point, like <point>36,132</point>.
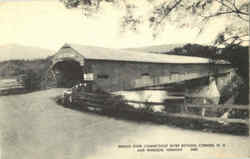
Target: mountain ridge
<point>21,52</point>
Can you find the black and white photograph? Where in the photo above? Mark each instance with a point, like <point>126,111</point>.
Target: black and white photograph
<point>139,79</point>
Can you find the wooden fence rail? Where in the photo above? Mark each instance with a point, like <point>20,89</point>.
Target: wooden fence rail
<point>12,85</point>
<point>243,107</point>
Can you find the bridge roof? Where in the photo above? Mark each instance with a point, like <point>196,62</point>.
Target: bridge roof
<point>99,53</point>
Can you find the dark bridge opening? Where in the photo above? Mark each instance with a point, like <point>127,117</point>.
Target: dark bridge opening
<point>68,73</point>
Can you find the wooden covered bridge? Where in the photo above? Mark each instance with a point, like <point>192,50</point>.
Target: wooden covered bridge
<point>141,76</point>
<point>121,70</point>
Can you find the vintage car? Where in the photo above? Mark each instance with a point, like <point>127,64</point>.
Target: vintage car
<point>90,96</point>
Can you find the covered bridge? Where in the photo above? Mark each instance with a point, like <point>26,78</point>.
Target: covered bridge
<point>116,69</point>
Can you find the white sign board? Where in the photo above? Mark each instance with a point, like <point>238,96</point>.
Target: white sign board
<point>88,76</point>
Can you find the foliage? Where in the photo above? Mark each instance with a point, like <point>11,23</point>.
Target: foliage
<point>237,55</point>
<point>197,50</point>
<point>33,71</point>
<point>32,80</point>
<point>76,3</point>
<point>185,13</point>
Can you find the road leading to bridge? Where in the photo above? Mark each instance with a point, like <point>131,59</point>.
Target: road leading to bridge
<point>34,126</point>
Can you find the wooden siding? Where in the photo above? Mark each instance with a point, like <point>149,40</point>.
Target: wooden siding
<point>113,75</point>
<point>129,75</point>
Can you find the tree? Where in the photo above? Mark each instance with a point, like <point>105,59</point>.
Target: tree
<point>32,80</point>
<point>199,12</point>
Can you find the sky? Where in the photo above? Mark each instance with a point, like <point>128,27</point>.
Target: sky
<point>48,24</point>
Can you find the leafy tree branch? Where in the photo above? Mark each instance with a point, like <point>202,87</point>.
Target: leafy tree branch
<point>178,11</point>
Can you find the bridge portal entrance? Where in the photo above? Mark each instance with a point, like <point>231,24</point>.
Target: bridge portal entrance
<point>65,74</point>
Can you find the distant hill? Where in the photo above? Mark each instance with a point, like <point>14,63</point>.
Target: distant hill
<point>182,49</point>
<point>16,60</point>
<point>167,48</point>
<point>20,52</point>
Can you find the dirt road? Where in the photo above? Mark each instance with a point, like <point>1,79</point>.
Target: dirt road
<point>34,126</point>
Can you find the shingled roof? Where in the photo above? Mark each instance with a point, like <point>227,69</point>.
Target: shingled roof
<point>99,53</point>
